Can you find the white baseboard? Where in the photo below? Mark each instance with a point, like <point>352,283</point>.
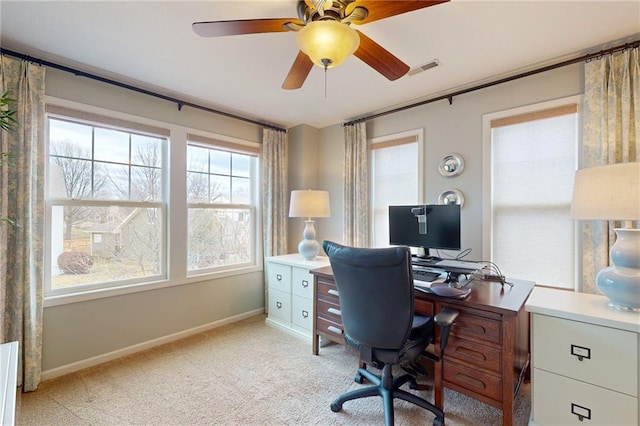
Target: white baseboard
<point>110,356</point>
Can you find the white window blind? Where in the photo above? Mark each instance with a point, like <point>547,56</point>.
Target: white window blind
<point>533,164</point>
<point>396,176</point>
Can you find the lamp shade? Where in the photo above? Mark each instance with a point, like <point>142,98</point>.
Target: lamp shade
<point>609,192</point>
<point>327,43</point>
<point>309,203</point>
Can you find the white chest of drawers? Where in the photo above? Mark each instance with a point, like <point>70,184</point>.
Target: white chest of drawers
<point>585,360</point>
<point>290,292</point>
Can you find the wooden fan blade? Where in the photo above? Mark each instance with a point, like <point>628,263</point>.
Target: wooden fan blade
<point>246,26</point>
<point>384,9</point>
<point>380,59</point>
<point>298,72</point>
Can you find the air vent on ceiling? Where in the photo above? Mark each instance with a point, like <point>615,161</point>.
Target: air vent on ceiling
<point>424,67</point>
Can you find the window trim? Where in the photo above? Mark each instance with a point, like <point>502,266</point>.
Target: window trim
<point>531,112</point>
<point>175,274</point>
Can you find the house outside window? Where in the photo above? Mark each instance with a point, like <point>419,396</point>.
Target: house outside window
<point>221,203</point>
<point>105,202</point>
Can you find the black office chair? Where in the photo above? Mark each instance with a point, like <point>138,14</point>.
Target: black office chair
<point>376,301</point>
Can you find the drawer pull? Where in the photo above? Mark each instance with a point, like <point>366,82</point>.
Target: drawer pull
<point>581,352</point>
<point>278,277</point>
<point>278,305</point>
<point>305,314</point>
<point>333,292</point>
<point>305,283</point>
<point>334,311</point>
<point>334,330</point>
<point>471,353</point>
<point>463,378</point>
<point>581,412</point>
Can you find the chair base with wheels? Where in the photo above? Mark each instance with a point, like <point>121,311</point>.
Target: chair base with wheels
<point>388,388</point>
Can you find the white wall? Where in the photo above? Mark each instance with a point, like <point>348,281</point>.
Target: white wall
<point>447,128</point>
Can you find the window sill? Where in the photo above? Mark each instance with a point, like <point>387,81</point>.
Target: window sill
<point>82,296</point>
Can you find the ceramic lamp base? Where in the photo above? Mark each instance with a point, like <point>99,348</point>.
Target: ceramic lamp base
<point>621,282</point>
<point>309,247</point>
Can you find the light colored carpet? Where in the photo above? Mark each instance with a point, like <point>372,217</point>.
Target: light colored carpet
<point>245,373</point>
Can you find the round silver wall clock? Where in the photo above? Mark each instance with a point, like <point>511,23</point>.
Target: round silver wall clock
<point>451,165</point>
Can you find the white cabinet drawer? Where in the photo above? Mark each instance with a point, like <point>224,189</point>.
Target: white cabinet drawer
<point>279,305</point>
<point>302,282</point>
<point>279,277</point>
<point>599,355</point>
<point>302,312</point>
<point>559,400</point>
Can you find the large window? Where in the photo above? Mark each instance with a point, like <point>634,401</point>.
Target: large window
<point>221,208</point>
<point>105,201</point>
<point>532,163</point>
<point>396,178</point>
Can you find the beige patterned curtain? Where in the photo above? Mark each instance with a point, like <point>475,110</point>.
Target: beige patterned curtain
<point>356,186</point>
<point>22,201</point>
<point>274,192</point>
<point>611,134</point>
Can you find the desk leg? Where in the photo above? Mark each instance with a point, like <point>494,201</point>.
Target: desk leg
<point>508,363</point>
<point>316,343</point>
<point>438,390</point>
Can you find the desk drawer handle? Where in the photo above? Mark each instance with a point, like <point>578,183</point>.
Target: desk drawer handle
<point>305,314</point>
<point>333,292</point>
<point>581,352</point>
<point>581,412</point>
<point>305,283</point>
<point>471,353</point>
<point>278,277</point>
<point>334,330</point>
<point>470,381</point>
<point>278,305</point>
<point>334,311</point>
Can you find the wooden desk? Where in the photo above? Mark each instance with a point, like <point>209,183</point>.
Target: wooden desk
<point>487,356</point>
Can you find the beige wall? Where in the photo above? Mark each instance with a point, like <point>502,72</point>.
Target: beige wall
<point>447,128</point>
<point>102,328</point>
<point>83,330</point>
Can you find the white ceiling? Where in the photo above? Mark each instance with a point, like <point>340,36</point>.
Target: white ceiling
<point>150,44</point>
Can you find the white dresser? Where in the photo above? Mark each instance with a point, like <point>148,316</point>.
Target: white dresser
<point>584,358</point>
<point>290,292</point>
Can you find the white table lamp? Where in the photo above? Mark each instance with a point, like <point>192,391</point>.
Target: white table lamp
<point>613,193</point>
<point>309,204</point>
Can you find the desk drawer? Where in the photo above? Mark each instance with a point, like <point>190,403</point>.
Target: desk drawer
<point>560,400</point>
<point>279,277</point>
<point>302,312</point>
<point>329,311</point>
<point>479,329</point>
<point>591,353</point>
<point>331,328</point>
<point>472,379</point>
<point>279,305</point>
<point>483,356</point>
<point>329,292</point>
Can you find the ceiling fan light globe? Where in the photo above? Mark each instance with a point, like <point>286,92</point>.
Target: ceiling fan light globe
<point>332,40</point>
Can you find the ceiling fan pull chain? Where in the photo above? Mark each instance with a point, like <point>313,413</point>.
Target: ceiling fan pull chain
<point>326,62</point>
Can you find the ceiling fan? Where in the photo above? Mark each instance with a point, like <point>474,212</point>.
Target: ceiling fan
<point>325,36</point>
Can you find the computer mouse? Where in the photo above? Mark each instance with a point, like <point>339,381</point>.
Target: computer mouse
<point>446,291</point>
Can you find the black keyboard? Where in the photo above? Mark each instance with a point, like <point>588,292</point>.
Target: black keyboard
<point>425,275</point>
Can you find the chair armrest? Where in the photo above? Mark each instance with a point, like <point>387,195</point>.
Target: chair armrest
<point>445,319</point>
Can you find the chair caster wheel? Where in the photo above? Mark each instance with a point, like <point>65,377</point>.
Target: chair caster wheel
<point>413,384</point>
<point>438,422</point>
<point>335,407</point>
<point>358,379</point>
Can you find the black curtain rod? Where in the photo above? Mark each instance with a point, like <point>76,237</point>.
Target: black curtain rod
<point>179,102</point>
<point>450,96</point>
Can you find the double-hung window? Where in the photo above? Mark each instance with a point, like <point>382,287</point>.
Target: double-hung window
<point>532,153</point>
<point>105,200</point>
<point>396,178</point>
<point>221,199</point>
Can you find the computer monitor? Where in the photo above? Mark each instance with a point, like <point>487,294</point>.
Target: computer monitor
<point>428,226</point>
